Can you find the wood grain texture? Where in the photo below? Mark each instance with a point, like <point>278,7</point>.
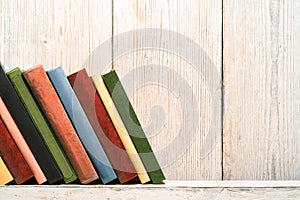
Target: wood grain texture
<point>169,191</point>
<point>154,78</point>
<point>261,57</point>
<point>52,32</point>
<point>261,81</point>
<point>62,33</point>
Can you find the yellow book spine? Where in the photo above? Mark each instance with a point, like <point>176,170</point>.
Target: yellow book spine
<point>5,176</point>
<point>120,128</point>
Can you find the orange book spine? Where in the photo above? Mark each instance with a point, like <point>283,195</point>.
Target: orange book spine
<point>54,111</point>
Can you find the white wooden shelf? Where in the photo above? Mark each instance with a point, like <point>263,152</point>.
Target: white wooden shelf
<point>170,190</point>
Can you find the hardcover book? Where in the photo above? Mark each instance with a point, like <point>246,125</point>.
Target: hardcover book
<point>120,128</point>
<point>28,130</point>
<point>45,94</point>
<point>133,126</point>
<point>12,156</point>
<point>41,125</point>
<point>100,121</point>
<point>5,176</point>
<point>21,143</point>
<point>82,125</point>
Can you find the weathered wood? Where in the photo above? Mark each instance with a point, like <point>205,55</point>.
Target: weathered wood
<point>52,33</point>
<point>170,190</point>
<point>261,75</point>
<point>261,82</point>
<point>64,33</point>
<point>163,85</point>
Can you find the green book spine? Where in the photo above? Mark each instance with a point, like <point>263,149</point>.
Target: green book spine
<point>133,126</point>
<point>42,126</point>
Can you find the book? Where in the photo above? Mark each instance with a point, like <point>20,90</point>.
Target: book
<point>120,128</point>
<point>28,130</point>
<point>49,102</point>
<point>12,156</point>
<point>21,143</point>
<point>42,125</point>
<point>5,176</point>
<point>82,125</point>
<point>133,126</point>
<point>100,121</point>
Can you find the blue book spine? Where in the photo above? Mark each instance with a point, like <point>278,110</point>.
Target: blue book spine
<point>82,125</point>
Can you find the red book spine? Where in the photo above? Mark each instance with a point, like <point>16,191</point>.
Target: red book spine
<point>103,126</point>
<point>50,103</point>
<point>12,156</point>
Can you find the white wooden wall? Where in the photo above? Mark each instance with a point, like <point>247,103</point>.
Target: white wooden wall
<point>253,45</point>
<point>261,126</point>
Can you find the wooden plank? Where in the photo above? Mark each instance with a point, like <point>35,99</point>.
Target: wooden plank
<point>261,82</point>
<point>52,33</point>
<point>170,190</point>
<point>174,184</point>
<point>167,86</point>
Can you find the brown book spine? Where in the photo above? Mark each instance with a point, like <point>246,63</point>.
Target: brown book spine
<point>12,157</point>
<point>103,126</point>
<point>21,143</point>
<point>49,101</point>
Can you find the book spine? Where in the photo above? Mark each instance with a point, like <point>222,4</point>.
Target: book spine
<point>54,111</point>
<point>12,156</point>
<point>41,125</point>
<point>5,175</point>
<point>81,124</point>
<point>21,143</point>
<point>97,115</point>
<point>120,128</point>
<point>28,130</point>
<point>133,126</point>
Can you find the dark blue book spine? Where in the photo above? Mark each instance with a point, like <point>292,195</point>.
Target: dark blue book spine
<point>82,125</point>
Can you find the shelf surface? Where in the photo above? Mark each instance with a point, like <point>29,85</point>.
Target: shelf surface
<point>169,190</point>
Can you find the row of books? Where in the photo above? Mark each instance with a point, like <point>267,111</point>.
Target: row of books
<point>67,129</point>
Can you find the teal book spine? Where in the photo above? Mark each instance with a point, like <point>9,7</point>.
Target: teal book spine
<point>82,125</point>
<point>41,125</point>
<point>133,126</point>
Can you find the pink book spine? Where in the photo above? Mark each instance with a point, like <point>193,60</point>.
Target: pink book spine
<point>21,143</point>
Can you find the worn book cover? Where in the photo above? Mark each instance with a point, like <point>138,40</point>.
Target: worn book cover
<point>120,128</point>
<point>99,119</point>
<point>13,158</point>
<point>57,117</point>
<point>42,125</point>
<point>82,125</point>
<point>133,126</point>
<point>28,131</point>
<point>5,175</point>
